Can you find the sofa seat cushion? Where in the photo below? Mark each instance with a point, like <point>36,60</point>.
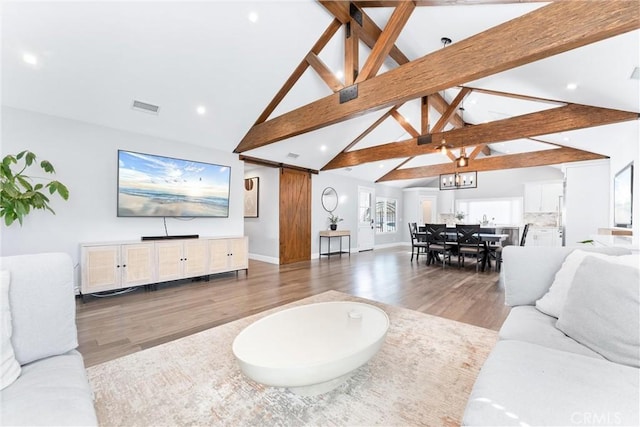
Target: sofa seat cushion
<point>51,391</point>
<point>527,323</point>
<point>527,384</point>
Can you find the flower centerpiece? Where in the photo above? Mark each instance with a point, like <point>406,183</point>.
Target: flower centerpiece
<point>333,221</point>
<point>460,216</point>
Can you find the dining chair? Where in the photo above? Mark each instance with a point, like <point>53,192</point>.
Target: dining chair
<point>437,243</point>
<point>469,243</point>
<point>498,251</point>
<point>418,247</point>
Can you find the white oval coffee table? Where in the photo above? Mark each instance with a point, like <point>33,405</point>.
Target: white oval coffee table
<point>313,348</point>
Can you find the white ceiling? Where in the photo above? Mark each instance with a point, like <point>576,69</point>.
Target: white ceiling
<point>95,58</point>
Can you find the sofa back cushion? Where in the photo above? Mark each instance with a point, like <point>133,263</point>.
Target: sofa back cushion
<point>602,309</point>
<point>42,303</point>
<point>528,271</point>
<point>553,301</point>
<point>9,367</point>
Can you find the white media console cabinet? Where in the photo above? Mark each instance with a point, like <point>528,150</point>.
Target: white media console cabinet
<point>109,266</point>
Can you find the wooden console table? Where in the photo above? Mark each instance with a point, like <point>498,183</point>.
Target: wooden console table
<point>328,234</point>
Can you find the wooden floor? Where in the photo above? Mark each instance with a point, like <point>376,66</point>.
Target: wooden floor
<point>115,326</point>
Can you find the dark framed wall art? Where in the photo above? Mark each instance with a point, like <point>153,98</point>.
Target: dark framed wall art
<point>251,193</point>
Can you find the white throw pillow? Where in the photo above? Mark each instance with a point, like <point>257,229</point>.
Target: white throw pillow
<point>602,310</point>
<point>552,302</point>
<point>9,366</point>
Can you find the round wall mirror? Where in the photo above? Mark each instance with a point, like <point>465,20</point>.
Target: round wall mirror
<point>329,199</point>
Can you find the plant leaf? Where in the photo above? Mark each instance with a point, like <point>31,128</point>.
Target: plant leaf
<point>29,158</point>
<point>48,167</point>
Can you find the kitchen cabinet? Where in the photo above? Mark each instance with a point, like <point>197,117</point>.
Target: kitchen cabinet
<point>543,237</point>
<point>542,196</point>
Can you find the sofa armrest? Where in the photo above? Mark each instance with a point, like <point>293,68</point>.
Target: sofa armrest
<point>528,271</point>
<point>42,303</point>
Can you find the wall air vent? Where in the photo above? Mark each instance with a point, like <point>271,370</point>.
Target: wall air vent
<point>145,107</point>
<point>293,156</point>
<point>636,74</point>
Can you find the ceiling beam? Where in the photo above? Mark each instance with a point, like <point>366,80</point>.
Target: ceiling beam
<point>324,72</point>
<point>450,111</point>
<point>351,53</point>
<point>370,128</point>
<point>440,105</point>
<point>368,33</point>
<point>405,124</point>
<point>549,30</point>
<point>387,40</point>
<point>299,71</point>
<point>271,164</point>
<point>512,161</point>
<point>421,3</point>
<point>560,119</point>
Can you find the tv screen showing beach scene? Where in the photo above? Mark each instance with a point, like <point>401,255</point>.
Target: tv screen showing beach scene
<point>158,186</point>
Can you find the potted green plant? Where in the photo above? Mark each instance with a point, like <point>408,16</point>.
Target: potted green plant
<point>18,196</point>
<point>333,221</point>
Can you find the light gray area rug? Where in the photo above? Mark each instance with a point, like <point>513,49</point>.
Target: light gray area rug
<point>422,375</point>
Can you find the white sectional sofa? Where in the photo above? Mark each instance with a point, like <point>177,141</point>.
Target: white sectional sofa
<point>568,354</point>
<point>44,381</point>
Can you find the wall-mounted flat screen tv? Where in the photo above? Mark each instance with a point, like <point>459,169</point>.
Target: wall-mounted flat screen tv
<point>159,186</point>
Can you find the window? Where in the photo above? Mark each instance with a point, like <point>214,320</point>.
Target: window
<point>386,215</point>
<point>505,211</point>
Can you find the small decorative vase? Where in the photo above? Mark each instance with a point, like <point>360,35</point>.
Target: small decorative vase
<point>333,226</point>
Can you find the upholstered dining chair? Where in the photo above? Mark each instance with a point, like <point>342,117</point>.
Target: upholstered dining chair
<point>437,242</point>
<point>469,243</point>
<point>496,252</point>
<point>418,247</point>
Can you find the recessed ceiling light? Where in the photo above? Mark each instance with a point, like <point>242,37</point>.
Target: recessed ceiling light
<point>253,17</point>
<point>381,165</point>
<point>339,74</point>
<point>566,138</point>
<point>30,59</point>
<point>201,110</point>
<point>323,148</point>
<point>572,86</point>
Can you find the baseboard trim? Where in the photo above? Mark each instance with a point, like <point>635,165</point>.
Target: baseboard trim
<point>263,258</point>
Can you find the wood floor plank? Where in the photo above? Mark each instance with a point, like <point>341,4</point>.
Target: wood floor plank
<point>115,326</point>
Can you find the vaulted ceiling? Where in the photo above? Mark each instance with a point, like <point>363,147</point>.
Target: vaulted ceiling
<point>440,81</point>
<point>270,73</point>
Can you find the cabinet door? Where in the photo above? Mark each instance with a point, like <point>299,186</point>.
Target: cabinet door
<point>195,258</point>
<point>137,264</point>
<point>218,255</point>
<point>532,197</point>
<point>238,254</point>
<point>100,268</point>
<point>550,197</point>
<point>169,261</point>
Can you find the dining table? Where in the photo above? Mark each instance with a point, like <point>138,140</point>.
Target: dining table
<point>487,235</point>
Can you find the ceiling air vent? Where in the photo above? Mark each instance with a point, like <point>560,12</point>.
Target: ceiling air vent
<point>145,107</point>
<point>636,74</point>
<point>293,156</point>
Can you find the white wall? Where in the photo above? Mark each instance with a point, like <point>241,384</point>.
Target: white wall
<point>347,189</point>
<point>263,232</point>
<point>85,158</point>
